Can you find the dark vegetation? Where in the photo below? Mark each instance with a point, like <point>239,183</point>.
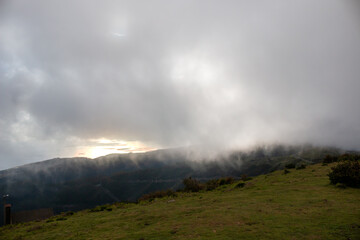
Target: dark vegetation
<point>245,178</point>
<point>193,185</point>
<point>301,166</point>
<point>240,185</point>
<point>190,185</point>
<point>330,159</point>
<point>158,194</point>
<point>290,165</point>
<point>101,208</point>
<point>286,171</point>
<point>346,172</point>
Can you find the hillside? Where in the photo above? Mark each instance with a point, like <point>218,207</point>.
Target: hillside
<point>298,205</point>
<point>72,184</point>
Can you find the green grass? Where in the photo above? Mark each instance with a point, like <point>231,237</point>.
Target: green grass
<point>298,205</point>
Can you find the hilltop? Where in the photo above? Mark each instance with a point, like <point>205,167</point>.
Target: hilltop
<point>298,205</point>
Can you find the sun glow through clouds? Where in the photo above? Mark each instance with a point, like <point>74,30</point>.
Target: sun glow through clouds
<point>101,147</point>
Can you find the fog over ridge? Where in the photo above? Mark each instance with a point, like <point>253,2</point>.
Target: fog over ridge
<point>222,74</point>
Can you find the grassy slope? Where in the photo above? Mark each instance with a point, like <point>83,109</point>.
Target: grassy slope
<point>298,205</point>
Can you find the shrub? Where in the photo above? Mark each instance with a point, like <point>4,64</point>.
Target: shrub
<point>224,181</point>
<point>290,165</point>
<point>301,166</point>
<point>192,185</point>
<point>214,183</point>
<point>346,172</point>
<point>121,204</point>
<point>349,157</point>
<point>158,194</point>
<point>211,184</point>
<point>240,185</point>
<point>330,159</point>
<point>245,178</point>
<point>69,213</point>
<point>286,171</point>
<point>101,208</point>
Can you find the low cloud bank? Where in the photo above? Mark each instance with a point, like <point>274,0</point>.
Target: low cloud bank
<point>218,74</point>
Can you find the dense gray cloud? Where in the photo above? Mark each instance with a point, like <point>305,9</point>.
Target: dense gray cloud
<point>177,73</point>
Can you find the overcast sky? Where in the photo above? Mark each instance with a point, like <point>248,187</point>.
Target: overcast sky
<point>176,73</point>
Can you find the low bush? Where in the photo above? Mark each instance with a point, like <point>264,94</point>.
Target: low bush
<point>290,165</point>
<point>214,183</point>
<point>158,194</point>
<point>301,166</point>
<point>245,178</point>
<point>349,157</point>
<point>225,181</point>
<point>346,172</point>
<point>211,184</point>
<point>240,185</point>
<point>69,213</point>
<point>344,157</point>
<point>101,208</point>
<point>329,159</point>
<point>192,185</point>
<point>286,171</point>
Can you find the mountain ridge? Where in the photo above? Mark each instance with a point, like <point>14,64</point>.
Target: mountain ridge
<point>301,204</point>
<point>73,183</point>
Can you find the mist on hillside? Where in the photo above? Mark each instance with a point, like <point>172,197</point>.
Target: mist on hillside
<point>214,75</point>
<point>72,184</point>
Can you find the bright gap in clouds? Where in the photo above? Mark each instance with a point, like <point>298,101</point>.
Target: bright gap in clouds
<point>195,67</point>
<point>101,147</point>
<point>118,34</point>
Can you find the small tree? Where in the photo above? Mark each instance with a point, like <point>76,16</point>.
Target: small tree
<point>290,165</point>
<point>346,172</point>
<point>224,181</point>
<point>192,185</point>
<point>330,159</point>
